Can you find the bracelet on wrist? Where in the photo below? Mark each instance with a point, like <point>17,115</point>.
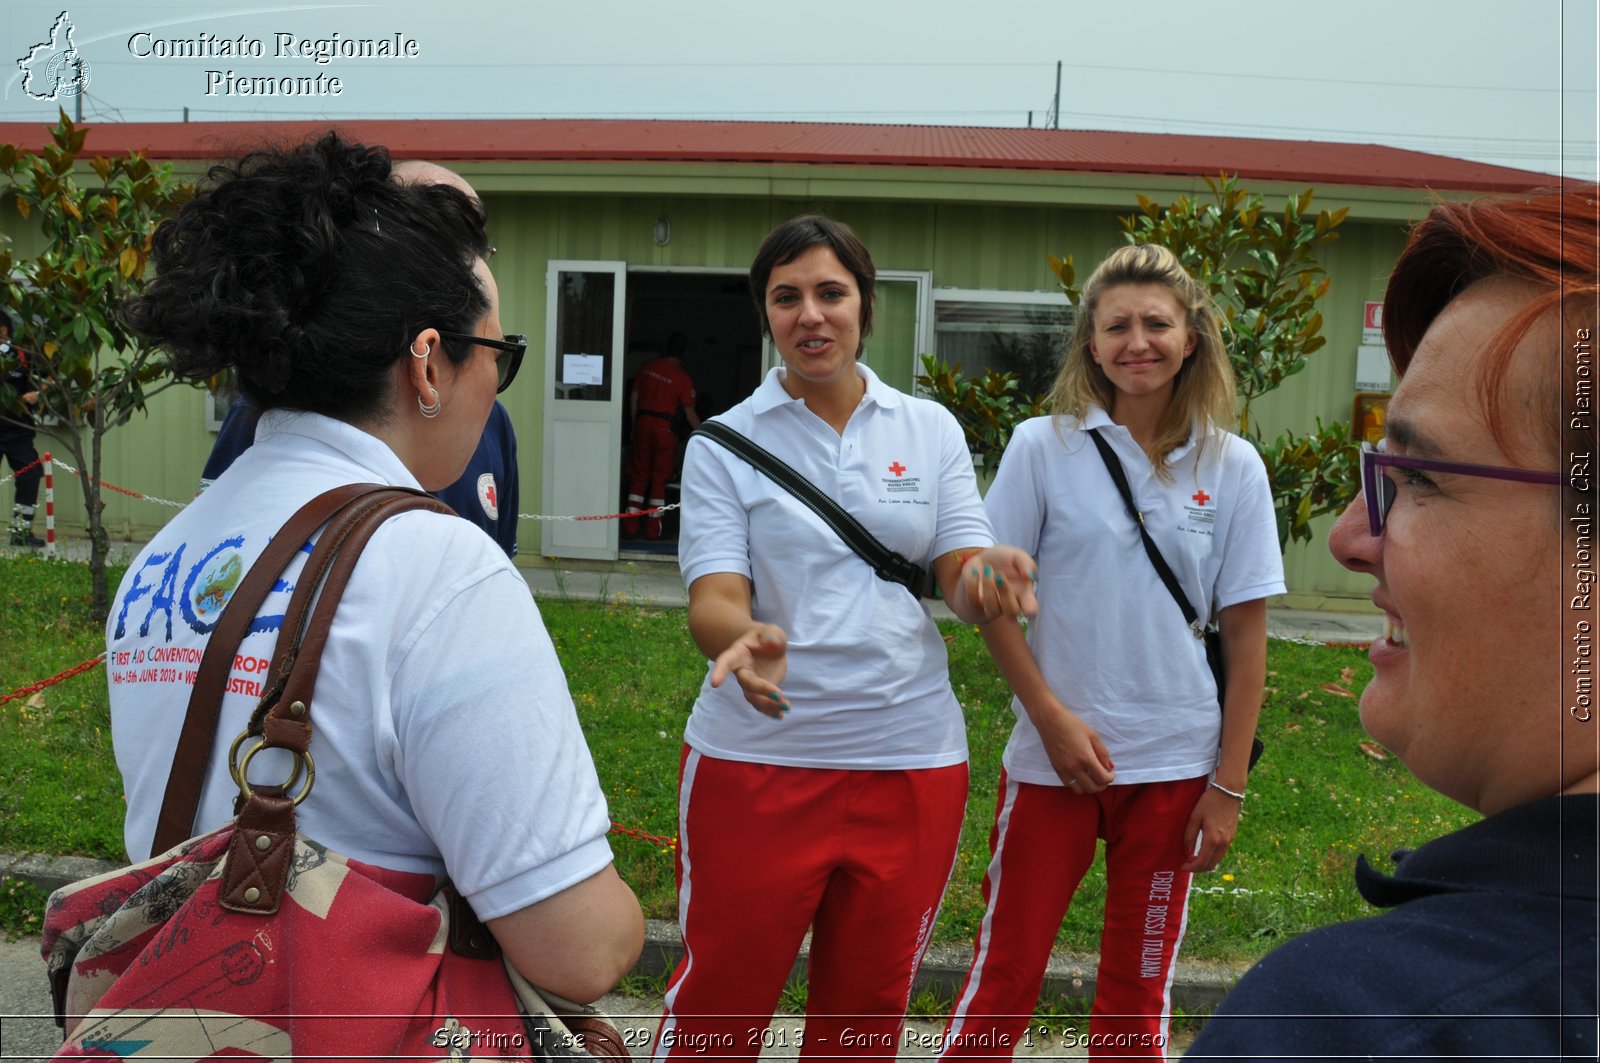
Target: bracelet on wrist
<point>1236,795</point>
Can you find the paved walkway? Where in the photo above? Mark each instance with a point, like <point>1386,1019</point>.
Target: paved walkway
<point>27,1031</point>
<point>648,580</point>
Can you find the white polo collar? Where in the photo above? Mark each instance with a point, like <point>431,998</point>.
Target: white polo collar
<point>360,447</point>
<point>770,394</point>
<point>1096,417</point>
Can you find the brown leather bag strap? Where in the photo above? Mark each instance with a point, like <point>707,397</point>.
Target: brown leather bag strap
<point>262,846</point>
<point>302,678</point>
<point>298,658</point>
<point>193,753</point>
<point>298,612</point>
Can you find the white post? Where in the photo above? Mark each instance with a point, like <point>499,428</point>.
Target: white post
<point>49,506</point>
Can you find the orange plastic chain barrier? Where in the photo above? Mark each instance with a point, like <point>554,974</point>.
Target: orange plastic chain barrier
<point>18,472</point>
<point>34,688</point>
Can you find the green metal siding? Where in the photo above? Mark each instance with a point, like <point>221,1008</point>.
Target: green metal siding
<point>1359,264</point>
<point>158,454</point>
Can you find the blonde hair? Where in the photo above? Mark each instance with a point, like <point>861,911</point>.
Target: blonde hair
<point>1204,387</point>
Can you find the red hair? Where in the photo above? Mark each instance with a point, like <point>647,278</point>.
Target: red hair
<point>1548,239</point>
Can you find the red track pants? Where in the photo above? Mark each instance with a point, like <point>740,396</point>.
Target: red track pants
<point>764,852</point>
<point>655,448</point>
<point>1042,845</point>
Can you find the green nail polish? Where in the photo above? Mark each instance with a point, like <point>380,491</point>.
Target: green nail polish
<point>987,570</point>
<point>999,581</point>
<point>775,697</point>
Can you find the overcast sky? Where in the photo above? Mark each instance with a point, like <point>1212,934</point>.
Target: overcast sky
<point>1504,81</point>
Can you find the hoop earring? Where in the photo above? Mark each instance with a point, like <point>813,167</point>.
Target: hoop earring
<point>428,411</point>
<point>427,349</point>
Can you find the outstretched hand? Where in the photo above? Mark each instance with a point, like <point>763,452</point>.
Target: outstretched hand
<point>758,660</point>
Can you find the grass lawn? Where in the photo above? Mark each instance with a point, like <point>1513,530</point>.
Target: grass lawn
<point>1322,794</point>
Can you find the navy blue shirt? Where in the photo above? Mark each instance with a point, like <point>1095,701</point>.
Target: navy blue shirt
<point>1490,950</point>
<point>486,494</point>
<point>18,379</point>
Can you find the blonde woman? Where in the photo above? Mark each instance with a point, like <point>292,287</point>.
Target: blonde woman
<point>1118,733</point>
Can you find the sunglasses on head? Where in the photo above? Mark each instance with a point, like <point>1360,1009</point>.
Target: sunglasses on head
<point>507,361</point>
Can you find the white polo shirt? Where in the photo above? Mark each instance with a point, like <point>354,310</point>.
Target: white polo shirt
<point>868,675</point>
<point>444,736</point>
<point>1109,639</point>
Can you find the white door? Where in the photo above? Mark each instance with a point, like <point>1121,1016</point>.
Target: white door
<point>583,405</point>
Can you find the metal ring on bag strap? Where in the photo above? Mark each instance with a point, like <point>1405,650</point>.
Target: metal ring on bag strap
<point>234,766</point>
<point>242,777</point>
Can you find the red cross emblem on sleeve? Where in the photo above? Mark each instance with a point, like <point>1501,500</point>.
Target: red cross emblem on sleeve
<point>897,469</point>
<point>489,496</point>
<point>1200,497</point>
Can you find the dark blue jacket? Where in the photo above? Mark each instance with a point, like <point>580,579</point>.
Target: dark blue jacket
<point>486,494</point>
<point>1490,950</point>
<point>20,381</point>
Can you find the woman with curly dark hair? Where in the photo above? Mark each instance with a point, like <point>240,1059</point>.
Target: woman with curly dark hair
<point>357,311</point>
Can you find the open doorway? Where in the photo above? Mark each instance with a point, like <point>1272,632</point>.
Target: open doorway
<point>709,317</point>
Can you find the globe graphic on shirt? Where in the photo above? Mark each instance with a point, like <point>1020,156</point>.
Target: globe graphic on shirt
<point>216,584</point>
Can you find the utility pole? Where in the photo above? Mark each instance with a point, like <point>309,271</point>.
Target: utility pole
<point>1055,109</point>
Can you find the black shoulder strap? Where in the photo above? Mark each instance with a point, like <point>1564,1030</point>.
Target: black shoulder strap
<point>1114,467</point>
<point>886,563</point>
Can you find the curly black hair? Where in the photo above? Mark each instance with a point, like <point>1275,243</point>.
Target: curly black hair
<point>307,271</point>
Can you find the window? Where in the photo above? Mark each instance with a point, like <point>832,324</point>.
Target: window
<point>1010,332</point>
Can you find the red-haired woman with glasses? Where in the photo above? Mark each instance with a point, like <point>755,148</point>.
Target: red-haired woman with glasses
<point>1477,523</point>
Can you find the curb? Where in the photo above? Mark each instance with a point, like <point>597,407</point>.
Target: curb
<point>1196,987</point>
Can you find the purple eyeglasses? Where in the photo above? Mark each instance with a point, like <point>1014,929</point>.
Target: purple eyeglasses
<point>1380,491</point>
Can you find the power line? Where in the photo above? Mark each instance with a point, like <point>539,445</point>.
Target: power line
<point>525,67</point>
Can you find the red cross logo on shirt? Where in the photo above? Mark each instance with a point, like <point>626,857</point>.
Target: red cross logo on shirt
<point>897,469</point>
<point>1201,497</point>
<point>489,490</point>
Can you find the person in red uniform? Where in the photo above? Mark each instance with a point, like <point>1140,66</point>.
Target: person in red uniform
<point>661,389</point>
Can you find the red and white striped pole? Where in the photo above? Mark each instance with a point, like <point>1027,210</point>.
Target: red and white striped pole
<point>49,507</point>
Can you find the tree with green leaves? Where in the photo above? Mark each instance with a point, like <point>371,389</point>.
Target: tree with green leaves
<point>92,374</point>
<point>987,408</point>
<point>1261,269</point>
